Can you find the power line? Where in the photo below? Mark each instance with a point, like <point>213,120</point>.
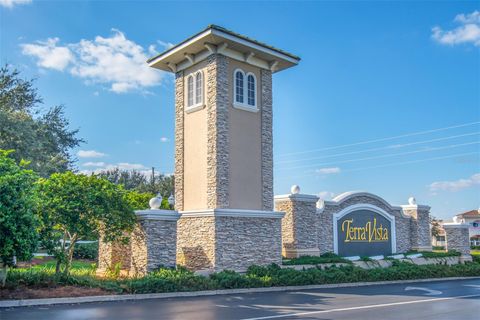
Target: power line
<point>413,161</point>
<point>391,164</point>
<point>381,139</point>
<point>384,156</point>
<point>380,148</point>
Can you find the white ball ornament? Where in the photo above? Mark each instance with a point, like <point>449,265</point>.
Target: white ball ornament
<point>412,201</point>
<point>295,189</point>
<point>155,203</point>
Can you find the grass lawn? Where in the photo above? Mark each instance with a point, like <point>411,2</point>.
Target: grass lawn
<point>76,265</point>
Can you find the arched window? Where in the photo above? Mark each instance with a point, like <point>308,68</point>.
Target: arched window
<point>245,91</point>
<point>198,88</point>
<point>239,85</point>
<point>195,91</point>
<point>190,90</point>
<point>251,94</point>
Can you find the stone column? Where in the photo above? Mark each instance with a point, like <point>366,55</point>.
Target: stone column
<point>179,139</point>
<point>153,241</point>
<point>420,233</point>
<point>458,239</point>
<point>299,227</point>
<point>152,244</point>
<point>112,254</point>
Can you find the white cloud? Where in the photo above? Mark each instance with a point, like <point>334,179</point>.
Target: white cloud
<point>455,185</point>
<point>50,56</point>
<point>164,139</point>
<point>94,164</point>
<point>90,154</point>
<point>467,32</point>
<point>11,3</point>
<point>130,166</point>
<point>115,61</point>
<point>332,170</point>
<point>326,195</point>
<point>102,166</point>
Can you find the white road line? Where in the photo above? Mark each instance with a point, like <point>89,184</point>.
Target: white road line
<point>429,292</point>
<point>373,306</point>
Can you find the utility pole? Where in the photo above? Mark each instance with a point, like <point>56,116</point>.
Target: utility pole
<point>153,179</point>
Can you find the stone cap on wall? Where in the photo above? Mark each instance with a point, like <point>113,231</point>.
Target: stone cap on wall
<point>455,225</point>
<point>297,197</point>
<point>157,214</point>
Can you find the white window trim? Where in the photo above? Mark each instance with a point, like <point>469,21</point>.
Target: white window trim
<point>244,106</point>
<point>201,104</point>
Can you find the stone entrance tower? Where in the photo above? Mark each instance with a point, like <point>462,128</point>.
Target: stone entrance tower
<point>223,149</point>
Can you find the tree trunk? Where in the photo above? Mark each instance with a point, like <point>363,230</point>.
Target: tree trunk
<point>3,274</point>
<point>57,266</point>
<point>69,259</point>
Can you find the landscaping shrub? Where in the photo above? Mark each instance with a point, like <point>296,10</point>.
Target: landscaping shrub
<point>171,280</point>
<point>431,254</point>
<point>88,251</point>
<point>328,257</point>
<point>475,247</point>
<point>438,248</point>
<point>476,257</point>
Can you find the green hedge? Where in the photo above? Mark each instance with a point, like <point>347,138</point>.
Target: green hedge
<point>324,258</point>
<point>168,280</point>
<point>431,254</point>
<point>87,251</point>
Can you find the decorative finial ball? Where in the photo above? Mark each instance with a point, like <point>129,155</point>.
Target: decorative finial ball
<point>320,204</point>
<point>295,189</point>
<point>155,203</point>
<point>171,200</point>
<point>412,201</point>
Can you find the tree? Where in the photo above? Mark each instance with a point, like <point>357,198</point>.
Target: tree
<point>18,236</point>
<point>435,226</point>
<point>39,136</point>
<point>134,180</point>
<point>75,206</point>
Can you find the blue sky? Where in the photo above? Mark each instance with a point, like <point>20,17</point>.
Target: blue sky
<point>386,98</point>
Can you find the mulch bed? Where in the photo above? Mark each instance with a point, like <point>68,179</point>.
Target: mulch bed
<point>23,292</point>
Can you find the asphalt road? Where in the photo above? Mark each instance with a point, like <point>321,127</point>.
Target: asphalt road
<point>425,300</point>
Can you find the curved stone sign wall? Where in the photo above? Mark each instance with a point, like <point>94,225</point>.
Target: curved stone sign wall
<point>363,232</point>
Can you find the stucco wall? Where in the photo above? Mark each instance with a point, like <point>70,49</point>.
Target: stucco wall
<point>245,174</point>
<point>195,148</point>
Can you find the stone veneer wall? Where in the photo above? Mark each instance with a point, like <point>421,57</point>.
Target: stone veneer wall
<point>458,239</point>
<point>242,242</point>
<point>153,244</point>
<point>267,140</point>
<point>325,222</point>
<point>196,242</point>
<point>420,234</point>
<point>299,227</point>
<point>217,122</point>
<point>112,253</point>
<point>226,242</point>
<point>179,139</point>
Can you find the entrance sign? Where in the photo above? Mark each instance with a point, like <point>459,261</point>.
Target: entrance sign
<point>364,231</point>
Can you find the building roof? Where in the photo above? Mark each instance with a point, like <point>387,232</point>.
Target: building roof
<point>219,36</point>
<point>469,214</point>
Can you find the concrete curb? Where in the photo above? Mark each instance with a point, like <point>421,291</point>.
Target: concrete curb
<point>125,297</point>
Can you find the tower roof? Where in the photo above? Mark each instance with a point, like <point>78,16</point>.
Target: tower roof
<point>216,39</point>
